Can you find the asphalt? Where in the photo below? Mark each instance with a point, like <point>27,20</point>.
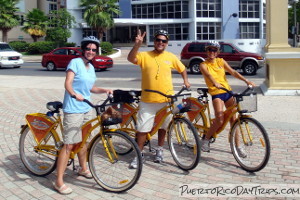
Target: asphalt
<point>280,116</point>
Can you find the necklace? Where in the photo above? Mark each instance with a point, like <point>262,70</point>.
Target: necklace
<point>157,73</point>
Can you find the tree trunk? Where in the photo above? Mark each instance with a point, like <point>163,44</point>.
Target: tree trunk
<point>4,34</point>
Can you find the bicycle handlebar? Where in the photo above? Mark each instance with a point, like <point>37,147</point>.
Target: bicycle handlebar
<point>172,97</point>
<point>249,87</point>
<point>204,91</point>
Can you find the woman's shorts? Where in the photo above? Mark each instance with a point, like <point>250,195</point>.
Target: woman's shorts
<point>146,115</point>
<point>72,124</point>
<point>224,96</point>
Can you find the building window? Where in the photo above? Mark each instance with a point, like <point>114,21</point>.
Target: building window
<point>52,7</point>
<point>90,32</point>
<point>176,31</point>
<point>249,9</point>
<point>163,10</point>
<point>249,30</point>
<point>208,30</point>
<point>208,8</point>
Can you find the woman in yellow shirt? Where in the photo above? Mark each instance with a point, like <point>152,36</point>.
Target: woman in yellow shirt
<point>214,71</point>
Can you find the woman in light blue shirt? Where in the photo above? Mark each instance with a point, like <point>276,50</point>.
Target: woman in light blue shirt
<point>79,84</point>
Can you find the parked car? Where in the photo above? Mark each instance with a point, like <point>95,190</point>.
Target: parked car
<point>9,57</point>
<point>60,58</point>
<point>193,54</point>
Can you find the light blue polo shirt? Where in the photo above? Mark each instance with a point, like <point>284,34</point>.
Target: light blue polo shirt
<point>82,84</point>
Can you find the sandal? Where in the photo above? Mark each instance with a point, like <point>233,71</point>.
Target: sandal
<point>86,174</point>
<point>63,189</point>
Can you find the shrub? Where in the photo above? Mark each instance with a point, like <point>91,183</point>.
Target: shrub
<point>41,47</point>
<point>106,48</point>
<point>70,44</point>
<point>20,46</point>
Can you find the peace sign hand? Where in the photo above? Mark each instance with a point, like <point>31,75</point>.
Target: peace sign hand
<point>140,37</point>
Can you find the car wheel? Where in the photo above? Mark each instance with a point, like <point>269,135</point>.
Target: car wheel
<point>17,66</point>
<point>195,67</point>
<point>51,66</point>
<point>249,68</point>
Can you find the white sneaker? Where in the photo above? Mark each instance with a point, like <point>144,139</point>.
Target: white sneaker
<point>241,152</point>
<point>159,156</point>
<point>205,145</point>
<point>134,162</point>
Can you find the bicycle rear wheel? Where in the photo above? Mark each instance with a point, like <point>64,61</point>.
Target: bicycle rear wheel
<point>200,123</point>
<point>114,175</point>
<point>255,145</point>
<point>184,143</point>
<point>41,159</point>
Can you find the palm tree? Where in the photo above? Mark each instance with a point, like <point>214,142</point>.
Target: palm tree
<point>99,14</point>
<point>8,17</point>
<point>36,24</point>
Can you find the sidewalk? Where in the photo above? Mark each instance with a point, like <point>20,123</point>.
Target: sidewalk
<point>279,114</point>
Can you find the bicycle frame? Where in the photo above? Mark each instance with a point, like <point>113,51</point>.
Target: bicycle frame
<point>130,110</point>
<point>202,108</point>
<point>41,126</point>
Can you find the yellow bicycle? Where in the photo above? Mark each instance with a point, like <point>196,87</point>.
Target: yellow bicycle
<point>40,143</point>
<point>254,138</point>
<point>183,141</point>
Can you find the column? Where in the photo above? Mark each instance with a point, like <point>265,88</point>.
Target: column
<point>283,61</point>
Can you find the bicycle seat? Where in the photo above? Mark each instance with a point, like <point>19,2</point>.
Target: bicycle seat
<point>54,105</point>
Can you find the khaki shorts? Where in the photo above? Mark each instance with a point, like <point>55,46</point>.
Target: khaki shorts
<point>146,115</point>
<point>72,124</point>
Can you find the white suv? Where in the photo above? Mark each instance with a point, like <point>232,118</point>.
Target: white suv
<point>9,57</point>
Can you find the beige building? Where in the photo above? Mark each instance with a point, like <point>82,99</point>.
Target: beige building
<point>27,5</point>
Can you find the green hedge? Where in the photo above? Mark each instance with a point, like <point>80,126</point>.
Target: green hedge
<point>41,47</point>
<point>106,48</point>
<point>70,44</point>
<point>20,46</point>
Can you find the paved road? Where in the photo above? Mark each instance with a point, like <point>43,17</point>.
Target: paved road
<point>279,114</point>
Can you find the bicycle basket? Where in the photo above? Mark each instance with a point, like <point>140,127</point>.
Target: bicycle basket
<point>248,103</point>
<point>112,115</point>
<point>121,96</point>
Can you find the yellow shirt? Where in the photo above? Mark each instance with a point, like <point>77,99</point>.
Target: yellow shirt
<point>157,74</point>
<point>217,71</point>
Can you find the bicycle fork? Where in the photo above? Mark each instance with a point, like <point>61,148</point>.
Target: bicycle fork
<point>109,148</point>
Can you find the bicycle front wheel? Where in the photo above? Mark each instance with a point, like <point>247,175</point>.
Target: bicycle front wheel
<point>40,159</point>
<point>184,143</point>
<point>250,144</point>
<point>130,126</point>
<point>111,169</point>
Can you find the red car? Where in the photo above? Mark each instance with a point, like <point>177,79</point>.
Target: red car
<point>60,58</point>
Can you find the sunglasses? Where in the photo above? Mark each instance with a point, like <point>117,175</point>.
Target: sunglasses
<point>212,50</point>
<point>88,49</point>
<point>160,40</point>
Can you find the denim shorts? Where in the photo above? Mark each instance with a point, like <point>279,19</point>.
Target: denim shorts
<point>224,96</point>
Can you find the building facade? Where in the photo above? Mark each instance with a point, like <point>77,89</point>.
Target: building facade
<point>27,5</point>
<point>237,21</point>
<point>186,20</point>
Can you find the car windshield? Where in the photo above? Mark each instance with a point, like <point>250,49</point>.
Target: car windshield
<point>240,50</point>
<point>5,47</point>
